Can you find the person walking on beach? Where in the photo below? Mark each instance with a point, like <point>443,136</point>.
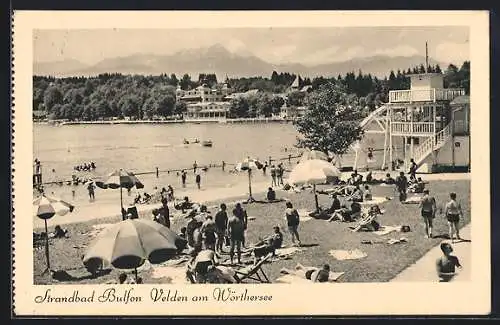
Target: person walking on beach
<point>91,188</point>
<point>195,166</point>
<point>236,230</point>
<point>264,168</point>
<point>428,210</point>
<point>198,180</point>
<point>402,186</point>
<point>241,214</point>
<point>413,169</point>
<point>273,176</point>
<point>221,227</point>
<point>293,220</point>
<point>279,174</point>
<point>453,213</point>
<point>183,178</point>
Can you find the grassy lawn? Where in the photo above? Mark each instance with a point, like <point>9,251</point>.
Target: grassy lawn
<point>382,263</point>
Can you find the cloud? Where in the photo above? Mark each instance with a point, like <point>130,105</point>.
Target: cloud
<point>403,50</point>
<point>321,56</point>
<point>278,53</point>
<point>452,52</point>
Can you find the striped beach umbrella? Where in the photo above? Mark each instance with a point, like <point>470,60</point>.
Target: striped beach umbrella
<point>248,165</point>
<point>129,243</point>
<point>313,172</point>
<point>121,179</point>
<point>45,207</point>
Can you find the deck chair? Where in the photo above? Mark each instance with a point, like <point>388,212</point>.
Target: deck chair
<point>368,223</point>
<point>254,272</point>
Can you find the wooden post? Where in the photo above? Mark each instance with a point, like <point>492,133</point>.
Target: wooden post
<point>157,173</point>
<point>316,198</point>
<point>47,255</point>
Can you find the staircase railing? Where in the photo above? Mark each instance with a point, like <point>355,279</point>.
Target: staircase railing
<point>442,136</point>
<point>429,145</point>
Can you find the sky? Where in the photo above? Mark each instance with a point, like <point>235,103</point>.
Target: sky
<point>307,46</point>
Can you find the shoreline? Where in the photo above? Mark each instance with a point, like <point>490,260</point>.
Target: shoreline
<point>238,192</point>
<point>176,121</point>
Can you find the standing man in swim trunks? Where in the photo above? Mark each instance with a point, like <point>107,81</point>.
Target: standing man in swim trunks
<point>428,210</point>
<point>183,178</point>
<point>453,213</point>
<point>236,230</point>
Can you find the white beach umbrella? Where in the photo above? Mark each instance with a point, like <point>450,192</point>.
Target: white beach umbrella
<point>313,154</point>
<point>248,165</point>
<point>313,172</point>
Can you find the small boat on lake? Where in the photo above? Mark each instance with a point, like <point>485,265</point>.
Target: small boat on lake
<point>207,143</point>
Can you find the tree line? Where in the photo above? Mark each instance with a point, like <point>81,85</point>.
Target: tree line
<point>144,97</point>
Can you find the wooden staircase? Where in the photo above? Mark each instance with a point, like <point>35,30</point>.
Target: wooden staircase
<point>430,145</point>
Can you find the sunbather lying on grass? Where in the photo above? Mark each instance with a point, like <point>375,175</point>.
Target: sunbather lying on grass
<point>310,273</point>
<point>346,214</point>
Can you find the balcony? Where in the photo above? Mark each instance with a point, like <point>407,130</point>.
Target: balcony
<point>424,95</point>
<point>412,128</point>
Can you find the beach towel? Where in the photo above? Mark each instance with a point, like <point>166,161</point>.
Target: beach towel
<point>384,230</point>
<point>393,241</point>
<point>177,261</point>
<point>291,278</point>
<point>174,275</point>
<point>413,200</point>
<point>347,254</point>
<point>286,251</point>
<point>374,200</point>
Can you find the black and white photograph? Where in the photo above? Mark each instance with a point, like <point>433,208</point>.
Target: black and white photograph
<point>232,163</point>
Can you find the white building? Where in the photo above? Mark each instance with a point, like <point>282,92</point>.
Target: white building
<point>205,103</point>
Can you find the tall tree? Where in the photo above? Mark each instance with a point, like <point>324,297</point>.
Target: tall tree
<point>331,121</point>
<point>185,82</point>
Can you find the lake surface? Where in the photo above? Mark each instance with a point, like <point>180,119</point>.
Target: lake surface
<point>141,148</point>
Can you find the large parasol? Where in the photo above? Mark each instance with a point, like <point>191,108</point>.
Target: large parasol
<point>313,154</point>
<point>249,164</point>
<point>45,207</point>
<point>313,172</point>
<point>129,243</point>
<point>121,179</point>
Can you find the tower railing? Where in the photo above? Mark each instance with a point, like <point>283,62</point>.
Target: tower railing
<point>409,128</point>
<point>424,95</point>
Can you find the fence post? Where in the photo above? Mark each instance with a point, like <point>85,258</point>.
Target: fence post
<point>157,173</point>
<point>223,165</point>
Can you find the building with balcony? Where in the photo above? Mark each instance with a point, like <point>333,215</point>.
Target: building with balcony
<point>205,103</point>
<point>428,123</point>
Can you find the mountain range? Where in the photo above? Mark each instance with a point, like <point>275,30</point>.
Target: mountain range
<point>217,59</point>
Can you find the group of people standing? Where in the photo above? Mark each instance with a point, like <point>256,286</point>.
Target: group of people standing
<point>276,174</point>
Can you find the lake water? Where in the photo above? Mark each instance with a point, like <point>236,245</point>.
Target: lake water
<point>141,148</point>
